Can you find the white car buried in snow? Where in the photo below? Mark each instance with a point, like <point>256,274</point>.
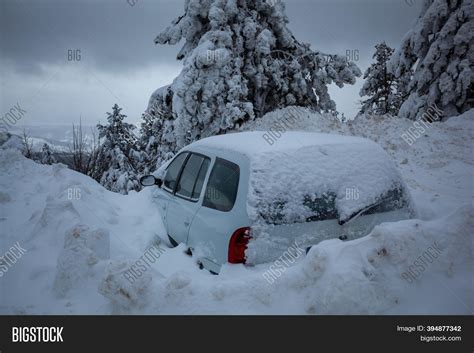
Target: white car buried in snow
<point>236,198</point>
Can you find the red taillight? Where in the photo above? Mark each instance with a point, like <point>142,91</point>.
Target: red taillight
<point>238,244</point>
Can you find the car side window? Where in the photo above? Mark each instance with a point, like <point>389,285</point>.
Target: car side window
<point>173,171</point>
<point>200,179</point>
<point>190,176</point>
<point>222,187</point>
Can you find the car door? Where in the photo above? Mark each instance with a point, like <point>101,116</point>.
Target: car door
<point>185,201</point>
<point>223,212</point>
<point>170,181</point>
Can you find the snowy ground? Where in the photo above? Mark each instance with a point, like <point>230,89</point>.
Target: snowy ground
<point>79,238</point>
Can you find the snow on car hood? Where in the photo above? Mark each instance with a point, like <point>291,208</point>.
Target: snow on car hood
<point>351,174</point>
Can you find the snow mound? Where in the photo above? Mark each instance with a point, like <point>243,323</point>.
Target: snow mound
<point>83,248</point>
<point>40,207</point>
<point>395,269</point>
<point>255,143</point>
<point>8,140</point>
<point>124,294</point>
<point>294,119</point>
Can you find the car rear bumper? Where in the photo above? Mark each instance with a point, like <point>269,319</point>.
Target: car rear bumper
<point>271,241</point>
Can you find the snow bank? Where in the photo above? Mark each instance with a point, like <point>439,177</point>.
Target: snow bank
<point>70,226</point>
<point>122,293</point>
<point>83,248</point>
<point>254,143</point>
<point>366,276</point>
<point>8,140</point>
<point>379,273</point>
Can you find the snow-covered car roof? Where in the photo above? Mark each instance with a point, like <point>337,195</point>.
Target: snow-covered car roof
<point>254,142</point>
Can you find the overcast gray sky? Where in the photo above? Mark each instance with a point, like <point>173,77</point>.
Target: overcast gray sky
<point>119,63</point>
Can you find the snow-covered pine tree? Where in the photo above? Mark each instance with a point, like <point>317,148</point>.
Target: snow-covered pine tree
<point>154,130</point>
<point>440,50</point>
<point>240,62</point>
<point>402,89</point>
<point>379,84</point>
<point>116,166</point>
<point>46,155</point>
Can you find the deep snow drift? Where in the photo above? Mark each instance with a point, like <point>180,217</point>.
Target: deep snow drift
<point>81,240</point>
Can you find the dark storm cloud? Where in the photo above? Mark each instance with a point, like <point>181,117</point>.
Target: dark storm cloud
<point>121,64</point>
<point>339,25</point>
<point>113,35</point>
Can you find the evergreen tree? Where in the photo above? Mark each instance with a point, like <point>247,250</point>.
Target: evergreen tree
<point>440,50</point>
<point>117,161</point>
<point>379,85</point>
<point>153,131</point>
<point>240,62</point>
<point>46,155</point>
<point>402,90</point>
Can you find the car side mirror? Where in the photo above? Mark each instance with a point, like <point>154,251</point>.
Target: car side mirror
<point>150,180</point>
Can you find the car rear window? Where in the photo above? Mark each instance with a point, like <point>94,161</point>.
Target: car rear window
<point>222,187</point>
<point>311,209</point>
<point>393,199</point>
<point>323,207</point>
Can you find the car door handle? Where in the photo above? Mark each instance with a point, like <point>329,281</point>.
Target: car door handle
<point>186,223</point>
